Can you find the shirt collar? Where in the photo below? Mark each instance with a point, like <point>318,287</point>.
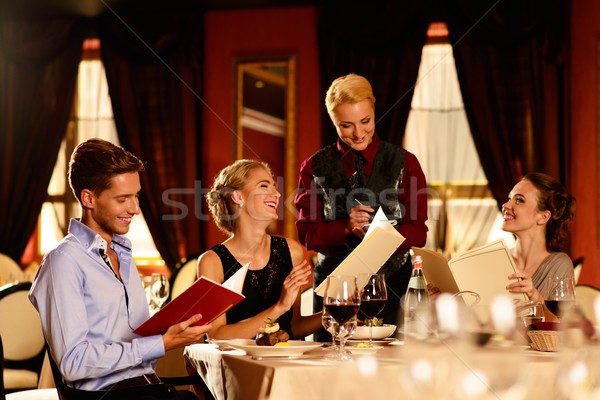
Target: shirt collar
<point>91,239</point>
<point>368,153</point>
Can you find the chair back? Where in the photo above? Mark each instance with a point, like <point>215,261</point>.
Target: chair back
<point>1,370</point>
<point>185,277</point>
<point>18,316</point>
<point>66,392</point>
<point>586,296</point>
<point>9,270</point>
<point>21,332</point>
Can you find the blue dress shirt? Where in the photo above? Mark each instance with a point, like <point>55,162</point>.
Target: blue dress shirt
<point>88,315</point>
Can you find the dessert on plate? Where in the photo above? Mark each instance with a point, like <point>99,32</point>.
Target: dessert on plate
<point>271,335</point>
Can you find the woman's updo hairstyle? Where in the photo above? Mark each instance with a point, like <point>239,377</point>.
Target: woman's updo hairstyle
<point>554,197</point>
<point>219,199</point>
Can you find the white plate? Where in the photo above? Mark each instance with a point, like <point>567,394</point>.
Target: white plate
<point>378,342</point>
<point>296,348</point>
<point>397,343</point>
<point>379,332</point>
<point>364,350</point>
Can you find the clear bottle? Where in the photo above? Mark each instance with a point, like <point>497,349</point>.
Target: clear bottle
<point>417,311</point>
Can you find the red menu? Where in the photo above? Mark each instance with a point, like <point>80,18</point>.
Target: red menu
<point>205,297</point>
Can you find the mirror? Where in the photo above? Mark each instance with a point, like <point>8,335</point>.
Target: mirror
<point>265,125</point>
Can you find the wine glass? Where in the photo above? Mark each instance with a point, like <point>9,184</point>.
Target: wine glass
<point>159,292</point>
<point>329,325</point>
<point>372,299</point>
<point>562,295</point>
<point>342,301</point>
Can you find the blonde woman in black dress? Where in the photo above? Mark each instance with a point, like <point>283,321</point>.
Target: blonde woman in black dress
<point>243,202</point>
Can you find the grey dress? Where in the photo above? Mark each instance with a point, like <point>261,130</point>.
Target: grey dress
<point>556,264</point>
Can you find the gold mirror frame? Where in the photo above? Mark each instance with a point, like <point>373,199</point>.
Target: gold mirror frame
<point>261,68</point>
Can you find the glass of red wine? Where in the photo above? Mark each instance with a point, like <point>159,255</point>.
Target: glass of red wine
<point>329,325</point>
<point>372,299</point>
<point>562,295</point>
<point>341,301</point>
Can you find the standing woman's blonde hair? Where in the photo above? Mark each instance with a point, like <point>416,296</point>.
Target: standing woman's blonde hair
<point>349,88</point>
<point>219,199</point>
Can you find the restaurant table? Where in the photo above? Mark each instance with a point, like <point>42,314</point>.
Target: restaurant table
<point>395,371</point>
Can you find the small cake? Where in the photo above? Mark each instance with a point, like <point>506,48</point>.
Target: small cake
<point>270,334</point>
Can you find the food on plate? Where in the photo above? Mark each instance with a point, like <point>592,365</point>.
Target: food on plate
<point>271,335</point>
<point>376,321</point>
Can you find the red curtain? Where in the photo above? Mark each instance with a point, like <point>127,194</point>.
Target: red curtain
<point>153,66</point>
<point>38,69</point>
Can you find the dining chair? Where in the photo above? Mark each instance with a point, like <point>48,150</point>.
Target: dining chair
<point>2,397</point>
<point>9,270</point>
<point>21,333</point>
<point>184,277</point>
<point>577,268</point>
<point>32,394</point>
<point>66,392</point>
<point>586,296</point>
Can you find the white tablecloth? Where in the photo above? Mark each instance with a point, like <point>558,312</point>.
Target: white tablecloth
<point>443,372</point>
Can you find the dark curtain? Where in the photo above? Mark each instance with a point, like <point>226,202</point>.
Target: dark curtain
<point>511,62</point>
<point>153,67</point>
<point>38,70</point>
<point>381,41</point>
<point>510,57</point>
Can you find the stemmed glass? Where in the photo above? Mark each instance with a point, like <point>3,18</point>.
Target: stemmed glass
<point>562,295</point>
<point>342,301</point>
<point>372,299</point>
<point>329,325</point>
<point>159,292</point>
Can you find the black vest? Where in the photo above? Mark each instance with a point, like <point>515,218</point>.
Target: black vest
<point>338,198</point>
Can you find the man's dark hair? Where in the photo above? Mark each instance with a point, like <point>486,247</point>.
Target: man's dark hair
<point>95,162</point>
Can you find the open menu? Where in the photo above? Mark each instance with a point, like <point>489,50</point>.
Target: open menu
<point>205,296</point>
<point>483,270</point>
<point>379,243</point>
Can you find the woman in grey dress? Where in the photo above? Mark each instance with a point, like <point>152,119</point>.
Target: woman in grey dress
<point>538,212</point>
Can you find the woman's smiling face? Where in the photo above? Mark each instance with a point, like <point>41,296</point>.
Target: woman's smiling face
<point>521,212</point>
<point>260,195</point>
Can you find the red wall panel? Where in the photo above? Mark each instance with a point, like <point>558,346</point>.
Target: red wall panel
<point>240,33</point>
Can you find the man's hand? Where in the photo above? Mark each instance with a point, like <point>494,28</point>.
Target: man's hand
<point>183,333</point>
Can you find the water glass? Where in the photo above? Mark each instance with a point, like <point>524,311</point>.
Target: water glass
<point>531,312</point>
<point>158,291</point>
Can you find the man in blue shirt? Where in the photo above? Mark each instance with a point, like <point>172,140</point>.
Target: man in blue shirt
<point>88,291</point>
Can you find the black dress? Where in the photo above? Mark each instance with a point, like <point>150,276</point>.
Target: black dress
<point>262,287</point>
